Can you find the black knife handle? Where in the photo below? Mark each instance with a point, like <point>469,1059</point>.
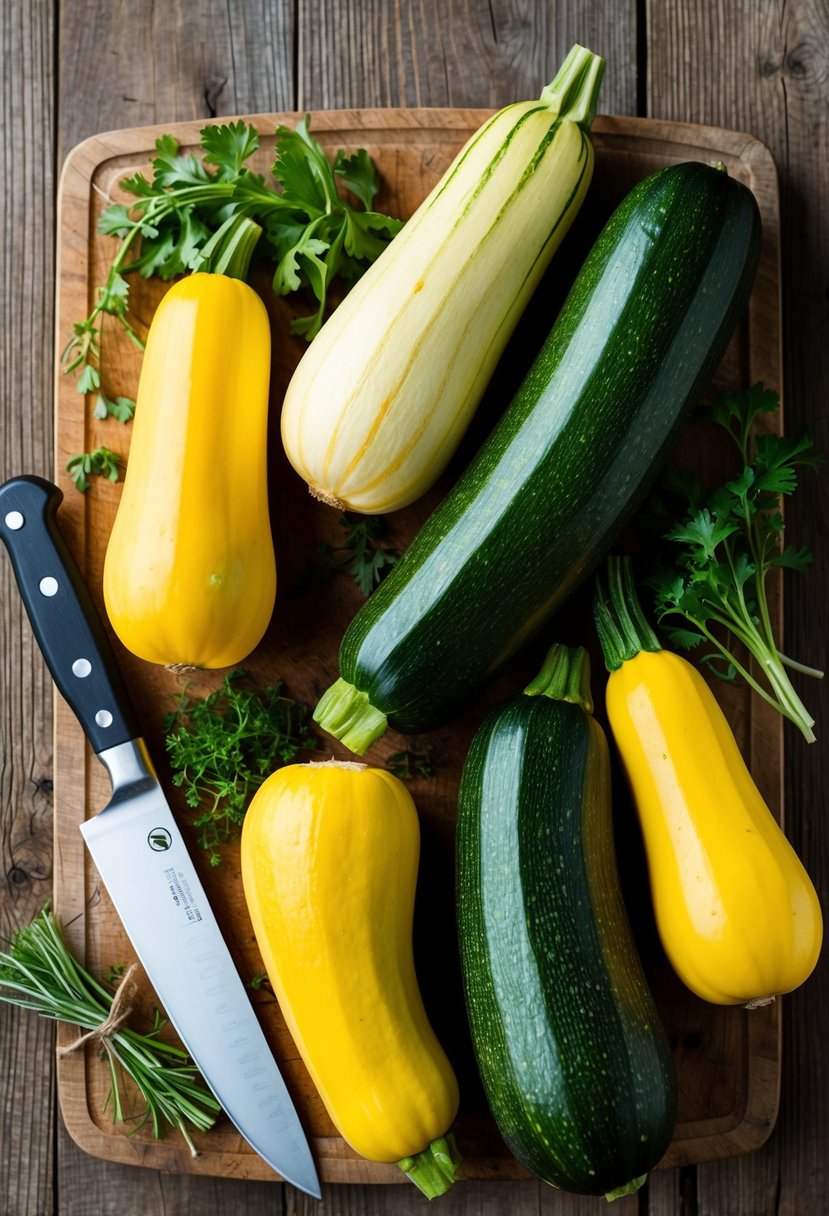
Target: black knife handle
<point>65,621</point>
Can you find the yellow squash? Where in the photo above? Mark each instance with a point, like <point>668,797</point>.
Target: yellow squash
<point>735,909</point>
<point>385,392</point>
<point>329,863</point>
<point>190,574</point>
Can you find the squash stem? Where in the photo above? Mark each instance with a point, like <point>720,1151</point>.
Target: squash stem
<point>433,1170</point>
<point>230,249</point>
<point>348,715</point>
<point>564,676</point>
<point>628,1189</point>
<point>620,622</point>
<point>574,91</point>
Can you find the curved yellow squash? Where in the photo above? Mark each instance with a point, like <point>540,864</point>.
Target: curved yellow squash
<point>736,911</point>
<point>190,574</point>
<point>383,395</point>
<point>329,863</point>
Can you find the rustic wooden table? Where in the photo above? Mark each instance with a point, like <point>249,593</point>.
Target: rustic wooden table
<point>74,68</point>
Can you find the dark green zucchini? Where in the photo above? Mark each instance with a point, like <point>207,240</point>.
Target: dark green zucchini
<point>575,1063</point>
<point>644,326</point>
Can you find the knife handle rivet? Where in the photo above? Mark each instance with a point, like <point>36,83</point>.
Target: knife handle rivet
<point>48,586</point>
<point>81,668</point>
<point>15,521</point>
<point>103,717</point>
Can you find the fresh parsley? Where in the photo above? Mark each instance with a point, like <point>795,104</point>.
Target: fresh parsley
<point>363,551</point>
<point>223,746</point>
<point>723,546</point>
<point>311,233</point>
<point>409,765</point>
<point>122,408</point>
<point>100,463</point>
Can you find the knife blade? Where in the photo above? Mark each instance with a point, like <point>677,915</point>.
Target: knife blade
<point>139,851</point>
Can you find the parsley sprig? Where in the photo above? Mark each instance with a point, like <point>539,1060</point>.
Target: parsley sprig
<point>39,972</point>
<point>724,546</point>
<point>409,765</point>
<point>223,746</point>
<point>310,231</point>
<point>101,463</point>
<point>363,550</point>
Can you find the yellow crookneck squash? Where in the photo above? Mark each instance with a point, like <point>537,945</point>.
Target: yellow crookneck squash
<point>735,909</point>
<point>329,864</point>
<point>190,574</point>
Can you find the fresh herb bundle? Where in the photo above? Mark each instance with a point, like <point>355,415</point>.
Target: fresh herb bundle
<point>725,543</point>
<point>310,232</point>
<point>39,972</point>
<point>223,746</point>
<point>363,551</point>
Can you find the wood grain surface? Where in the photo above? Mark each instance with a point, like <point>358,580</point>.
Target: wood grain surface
<point>727,1059</point>
<point>82,67</point>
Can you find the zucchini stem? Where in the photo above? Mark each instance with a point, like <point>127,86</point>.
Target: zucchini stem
<point>348,715</point>
<point>621,624</point>
<point>433,1170</point>
<point>574,91</point>
<point>564,676</point>
<point>629,1188</point>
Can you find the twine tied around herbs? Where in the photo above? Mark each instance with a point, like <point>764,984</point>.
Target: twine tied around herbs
<point>119,1011</point>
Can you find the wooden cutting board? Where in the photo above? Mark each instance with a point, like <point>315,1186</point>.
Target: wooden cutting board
<point>728,1059</point>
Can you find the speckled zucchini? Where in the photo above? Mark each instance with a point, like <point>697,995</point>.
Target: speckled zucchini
<point>575,1062</point>
<point>643,328</point>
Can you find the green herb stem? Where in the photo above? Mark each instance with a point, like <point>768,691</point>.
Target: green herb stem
<point>814,672</point>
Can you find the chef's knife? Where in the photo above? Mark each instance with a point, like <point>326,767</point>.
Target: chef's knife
<point>138,849</point>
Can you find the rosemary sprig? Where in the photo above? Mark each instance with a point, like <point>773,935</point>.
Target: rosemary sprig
<point>39,972</point>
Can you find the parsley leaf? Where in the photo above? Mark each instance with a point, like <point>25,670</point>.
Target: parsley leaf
<point>223,746</point>
<point>100,463</point>
<point>311,233</point>
<point>333,238</point>
<point>409,765</point>
<point>363,551</point>
<point>723,546</point>
<point>122,408</point>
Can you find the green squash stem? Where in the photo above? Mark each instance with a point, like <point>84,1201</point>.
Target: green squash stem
<point>564,676</point>
<point>230,249</point>
<point>433,1170</point>
<point>348,715</point>
<point>628,1189</point>
<point>620,622</point>
<point>574,91</point>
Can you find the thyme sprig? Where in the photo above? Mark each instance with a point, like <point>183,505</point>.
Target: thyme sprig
<point>224,745</point>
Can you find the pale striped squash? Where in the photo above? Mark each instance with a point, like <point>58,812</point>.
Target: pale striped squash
<point>381,398</point>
